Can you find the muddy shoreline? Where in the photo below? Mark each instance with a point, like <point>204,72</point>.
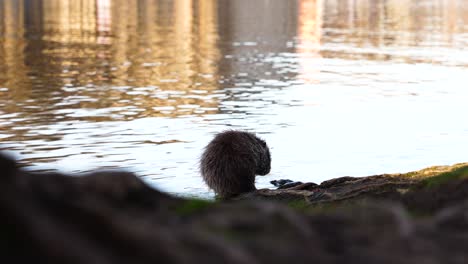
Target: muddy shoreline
<point>114,217</point>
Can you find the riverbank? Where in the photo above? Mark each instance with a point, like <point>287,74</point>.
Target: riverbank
<point>114,217</point>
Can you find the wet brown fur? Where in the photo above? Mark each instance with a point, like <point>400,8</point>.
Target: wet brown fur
<point>231,161</point>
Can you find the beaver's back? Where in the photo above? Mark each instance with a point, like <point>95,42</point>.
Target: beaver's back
<point>230,162</point>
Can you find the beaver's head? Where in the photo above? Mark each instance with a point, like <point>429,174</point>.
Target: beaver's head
<point>264,162</point>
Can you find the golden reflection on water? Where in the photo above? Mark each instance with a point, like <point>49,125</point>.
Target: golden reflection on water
<point>65,53</point>
<point>84,48</point>
<point>393,23</point>
<point>309,34</point>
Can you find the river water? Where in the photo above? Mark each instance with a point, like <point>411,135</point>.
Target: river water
<point>337,87</point>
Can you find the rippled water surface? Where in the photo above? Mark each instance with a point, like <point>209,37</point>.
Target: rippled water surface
<point>335,87</point>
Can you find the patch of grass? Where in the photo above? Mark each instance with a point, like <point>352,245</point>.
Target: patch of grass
<point>301,205</point>
<point>192,206</point>
<point>237,235</point>
<point>317,208</point>
<point>457,174</point>
<point>416,213</point>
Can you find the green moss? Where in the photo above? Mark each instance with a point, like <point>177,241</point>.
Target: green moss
<point>416,213</point>
<point>429,172</point>
<point>317,208</point>
<point>237,235</point>
<point>192,206</point>
<point>457,174</point>
<point>300,205</point>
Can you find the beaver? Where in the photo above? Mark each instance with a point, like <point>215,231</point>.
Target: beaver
<point>231,161</point>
